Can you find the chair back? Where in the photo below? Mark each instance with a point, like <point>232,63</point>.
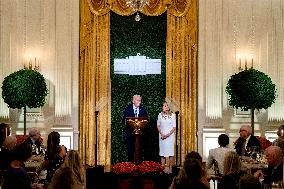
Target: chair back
<point>33,176</point>
<point>216,168</point>
<point>2,177</point>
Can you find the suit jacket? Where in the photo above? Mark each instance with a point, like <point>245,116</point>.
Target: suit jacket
<point>37,143</point>
<point>253,141</point>
<point>274,175</point>
<point>29,141</point>
<point>129,112</point>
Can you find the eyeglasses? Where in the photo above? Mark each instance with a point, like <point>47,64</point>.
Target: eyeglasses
<point>242,130</point>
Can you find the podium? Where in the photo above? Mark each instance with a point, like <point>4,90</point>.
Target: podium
<point>137,124</point>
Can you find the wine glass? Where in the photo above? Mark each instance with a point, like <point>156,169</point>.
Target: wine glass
<point>249,151</point>
<point>33,148</point>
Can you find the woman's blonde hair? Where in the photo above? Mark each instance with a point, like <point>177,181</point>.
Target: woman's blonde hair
<point>170,111</point>
<point>232,163</point>
<point>73,162</point>
<point>10,142</point>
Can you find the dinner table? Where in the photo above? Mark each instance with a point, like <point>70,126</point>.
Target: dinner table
<point>250,165</point>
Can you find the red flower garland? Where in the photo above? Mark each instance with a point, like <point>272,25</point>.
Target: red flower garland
<point>150,167</point>
<point>22,138</point>
<point>124,168</point>
<point>264,143</point>
<point>146,167</point>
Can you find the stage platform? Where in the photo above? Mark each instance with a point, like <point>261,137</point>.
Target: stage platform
<point>106,180</point>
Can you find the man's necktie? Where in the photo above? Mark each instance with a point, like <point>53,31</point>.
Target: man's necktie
<point>135,112</point>
<point>243,150</point>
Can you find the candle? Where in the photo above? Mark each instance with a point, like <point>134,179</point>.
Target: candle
<point>240,64</point>
<point>30,64</point>
<point>251,62</point>
<point>246,64</point>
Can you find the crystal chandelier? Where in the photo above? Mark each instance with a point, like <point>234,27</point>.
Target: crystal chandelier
<point>137,6</point>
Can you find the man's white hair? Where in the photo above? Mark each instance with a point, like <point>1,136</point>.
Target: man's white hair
<point>247,127</point>
<point>136,96</point>
<point>33,131</point>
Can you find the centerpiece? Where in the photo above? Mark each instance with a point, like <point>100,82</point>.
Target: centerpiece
<point>251,89</point>
<point>25,88</point>
<point>146,171</point>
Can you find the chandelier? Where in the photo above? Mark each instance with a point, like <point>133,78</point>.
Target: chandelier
<point>137,6</point>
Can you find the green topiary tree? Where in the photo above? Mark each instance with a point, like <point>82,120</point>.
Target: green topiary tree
<point>251,89</point>
<point>24,88</point>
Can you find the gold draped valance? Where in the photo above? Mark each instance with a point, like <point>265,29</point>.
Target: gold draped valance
<point>155,7</point>
<point>95,83</point>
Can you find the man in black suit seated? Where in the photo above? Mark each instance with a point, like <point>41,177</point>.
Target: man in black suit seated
<point>275,166</point>
<point>133,110</point>
<point>246,140</point>
<point>34,139</point>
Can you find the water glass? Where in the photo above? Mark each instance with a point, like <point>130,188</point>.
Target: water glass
<point>277,185</point>
<point>265,186</point>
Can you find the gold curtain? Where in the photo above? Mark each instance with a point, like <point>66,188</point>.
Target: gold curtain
<point>181,72</point>
<point>95,89</point>
<point>95,81</point>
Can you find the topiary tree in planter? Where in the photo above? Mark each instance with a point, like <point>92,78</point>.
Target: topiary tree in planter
<point>24,88</point>
<point>251,89</point>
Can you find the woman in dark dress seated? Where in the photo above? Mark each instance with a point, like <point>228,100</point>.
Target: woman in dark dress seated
<point>54,156</point>
<point>232,171</point>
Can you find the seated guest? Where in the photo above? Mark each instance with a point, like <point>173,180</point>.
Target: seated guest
<point>34,139</point>
<point>246,140</point>
<point>6,151</point>
<point>4,132</point>
<point>70,175</point>
<point>54,156</point>
<point>197,156</point>
<point>194,155</point>
<point>16,176</point>
<point>280,133</point>
<point>275,165</point>
<point>189,176</point>
<point>249,182</point>
<point>232,171</point>
<point>218,154</point>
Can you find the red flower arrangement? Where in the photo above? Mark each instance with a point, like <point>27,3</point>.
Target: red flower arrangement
<point>146,167</point>
<point>21,138</point>
<point>150,167</point>
<point>264,143</point>
<point>124,168</point>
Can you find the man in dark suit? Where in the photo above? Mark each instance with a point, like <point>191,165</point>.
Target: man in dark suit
<point>246,140</point>
<point>34,140</point>
<point>133,110</point>
<point>274,172</point>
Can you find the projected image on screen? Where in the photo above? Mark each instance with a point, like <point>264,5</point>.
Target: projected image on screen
<point>137,65</point>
